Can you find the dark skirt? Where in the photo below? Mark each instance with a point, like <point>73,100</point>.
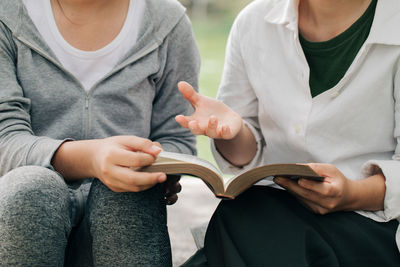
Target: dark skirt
<point>269,227</point>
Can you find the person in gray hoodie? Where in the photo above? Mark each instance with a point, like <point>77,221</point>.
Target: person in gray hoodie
<point>88,95</point>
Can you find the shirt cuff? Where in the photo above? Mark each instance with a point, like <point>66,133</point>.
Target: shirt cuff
<point>42,152</point>
<point>391,170</point>
<point>226,167</point>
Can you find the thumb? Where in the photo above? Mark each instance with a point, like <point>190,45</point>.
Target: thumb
<point>188,92</point>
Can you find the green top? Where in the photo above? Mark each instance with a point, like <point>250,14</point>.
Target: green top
<point>329,60</point>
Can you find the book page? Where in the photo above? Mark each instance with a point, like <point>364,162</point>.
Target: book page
<point>244,180</point>
<point>188,158</point>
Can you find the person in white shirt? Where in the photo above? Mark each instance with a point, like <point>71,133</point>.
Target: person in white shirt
<point>313,82</point>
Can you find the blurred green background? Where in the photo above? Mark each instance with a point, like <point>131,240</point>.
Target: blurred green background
<point>212,20</point>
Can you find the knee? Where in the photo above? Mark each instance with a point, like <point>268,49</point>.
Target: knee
<point>34,217</point>
<point>145,208</point>
<point>134,221</point>
<point>32,188</point>
<point>101,197</point>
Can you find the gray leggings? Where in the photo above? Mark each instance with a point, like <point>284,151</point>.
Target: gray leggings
<point>43,222</point>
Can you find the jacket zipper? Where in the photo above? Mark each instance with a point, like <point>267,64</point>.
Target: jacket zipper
<point>86,109</point>
<point>87,116</point>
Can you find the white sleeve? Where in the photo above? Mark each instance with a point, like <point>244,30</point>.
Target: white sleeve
<point>391,171</point>
<point>227,167</point>
<point>236,92</point>
<point>390,168</point>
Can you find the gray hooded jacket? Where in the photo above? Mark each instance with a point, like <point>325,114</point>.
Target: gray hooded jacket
<point>42,104</point>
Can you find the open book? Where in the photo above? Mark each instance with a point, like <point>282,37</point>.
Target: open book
<point>175,163</point>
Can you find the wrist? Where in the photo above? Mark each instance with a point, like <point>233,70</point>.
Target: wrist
<point>90,150</point>
<point>352,200</point>
<point>240,150</point>
<point>59,158</point>
<point>367,194</point>
<point>241,133</point>
<point>74,160</point>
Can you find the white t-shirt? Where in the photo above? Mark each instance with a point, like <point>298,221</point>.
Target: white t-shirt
<point>87,66</point>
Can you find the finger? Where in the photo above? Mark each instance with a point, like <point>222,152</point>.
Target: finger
<point>225,132</point>
<point>308,198</point>
<point>323,188</point>
<point>297,190</point>
<point>212,127</point>
<point>171,200</point>
<point>188,92</point>
<point>116,185</point>
<point>284,182</point>
<point>136,143</point>
<point>174,178</point>
<point>195,128</point>
<point>126,158</point>
<point>158,144</point>
<point>182,120</point>
<point>133,180</point>
<point>170,185</point>
<point>178,187</point>
<point>311,205</point>
<point>172,189</point>
<point>146,178</point>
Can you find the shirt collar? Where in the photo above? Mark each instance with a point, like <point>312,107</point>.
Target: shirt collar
<point>384,28</point>
<point>283,12</point>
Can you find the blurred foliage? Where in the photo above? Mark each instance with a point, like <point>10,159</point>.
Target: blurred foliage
<point>214,7</point>
<point>211,26</point>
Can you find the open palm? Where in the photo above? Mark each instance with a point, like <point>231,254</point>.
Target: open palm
<point>211,117</point>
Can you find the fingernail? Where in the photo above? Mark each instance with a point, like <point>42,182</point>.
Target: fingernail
<point>162,178</point>
<point>155,149</point>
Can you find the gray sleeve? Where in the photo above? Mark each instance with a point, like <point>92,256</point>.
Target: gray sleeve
<point>181,63</point>
<point>18,145</point>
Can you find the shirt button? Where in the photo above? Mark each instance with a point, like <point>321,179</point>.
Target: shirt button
<point>297,129</point>
<point>335,94</point>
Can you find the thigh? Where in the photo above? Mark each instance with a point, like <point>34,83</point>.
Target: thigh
<point>269,226</point>
<point>128,229</point>
<point>34,217</point>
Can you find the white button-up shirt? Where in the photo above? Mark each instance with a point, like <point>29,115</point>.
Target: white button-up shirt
<point>355,125</point>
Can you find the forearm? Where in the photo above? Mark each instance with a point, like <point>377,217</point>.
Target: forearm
<point>240,150</point>
<point>368,194</point>
<point>73,160</point>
